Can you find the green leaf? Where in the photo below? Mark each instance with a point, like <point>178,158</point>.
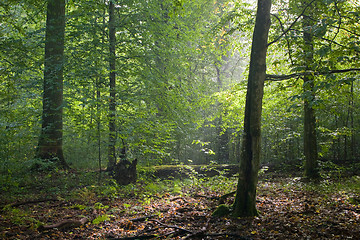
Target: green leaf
<point>101,219</point>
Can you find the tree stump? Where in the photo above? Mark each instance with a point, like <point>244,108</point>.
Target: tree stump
<point>125,172</point>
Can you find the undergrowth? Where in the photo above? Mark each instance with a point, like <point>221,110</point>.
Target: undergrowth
<point>88,186</point>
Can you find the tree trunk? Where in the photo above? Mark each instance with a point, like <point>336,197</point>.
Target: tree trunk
<point>125,172</point>
<point>310,140</point>
<point>51,136</point>
<point>245,201</point>
<point>98,123</point>
<point>223,155</point>
<point>352,131</point>
<point>112,100</point>
<point>222,146</point>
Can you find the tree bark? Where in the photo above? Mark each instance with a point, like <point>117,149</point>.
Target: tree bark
<point>310,139</point>
<point>112,99</point>
<point>51,136</point>
<point>245,201</point>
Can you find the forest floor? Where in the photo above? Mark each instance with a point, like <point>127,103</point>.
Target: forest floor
<point>70,205</point>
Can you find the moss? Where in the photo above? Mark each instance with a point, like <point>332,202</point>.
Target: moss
<point>221,211</point>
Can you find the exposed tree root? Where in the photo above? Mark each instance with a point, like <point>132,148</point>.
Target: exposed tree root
<point>225,196</point>
<point>221,199</point>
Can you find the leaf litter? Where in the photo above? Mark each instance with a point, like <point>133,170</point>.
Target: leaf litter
<point>288,209</point>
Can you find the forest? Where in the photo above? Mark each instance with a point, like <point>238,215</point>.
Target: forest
<point>179,119</point>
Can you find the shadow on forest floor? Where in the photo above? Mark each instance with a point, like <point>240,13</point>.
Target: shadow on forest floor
<point>69,205</point>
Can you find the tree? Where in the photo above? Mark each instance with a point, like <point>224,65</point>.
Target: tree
<point>112,85</point>
<point>245,201</point>
<point>51,137</point>
<point>21,74</point>
<point>221,65</point>
<point>316,55</point>
<point>310,139</point>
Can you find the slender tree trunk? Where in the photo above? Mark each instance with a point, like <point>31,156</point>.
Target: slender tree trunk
<point>310,139</point>
<point>335,142</point>
<point>245,201</point>
<point>99,83</point>
<point>51,137</point>
<point>222,145</point>
<point>112,100</point>
<point>338,140</point>
<point>345,135</point>
<point>352,144</point>
<point>98,99</point>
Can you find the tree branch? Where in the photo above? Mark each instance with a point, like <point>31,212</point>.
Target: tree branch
<point>287,39</point>
<point>292,24</point>
<point>275,78</point>
<point>336,43</point>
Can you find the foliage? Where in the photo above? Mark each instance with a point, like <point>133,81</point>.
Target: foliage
<point>101,218</point>
<point>19,217</point>
<point>39,165</point>
<point>169,92</point>
<point>85,194</point>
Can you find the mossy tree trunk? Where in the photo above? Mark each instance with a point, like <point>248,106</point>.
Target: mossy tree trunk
<point>245,200</point>
<point>51,136</point>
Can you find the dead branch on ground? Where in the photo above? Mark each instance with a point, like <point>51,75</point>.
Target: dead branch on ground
<point>65,224</point>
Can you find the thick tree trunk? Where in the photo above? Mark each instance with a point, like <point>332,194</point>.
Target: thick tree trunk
<point>310,139</point>
<point>51,137</point>
<point>125,172</point>
<point>112,100</point>
<point>245,201</point>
